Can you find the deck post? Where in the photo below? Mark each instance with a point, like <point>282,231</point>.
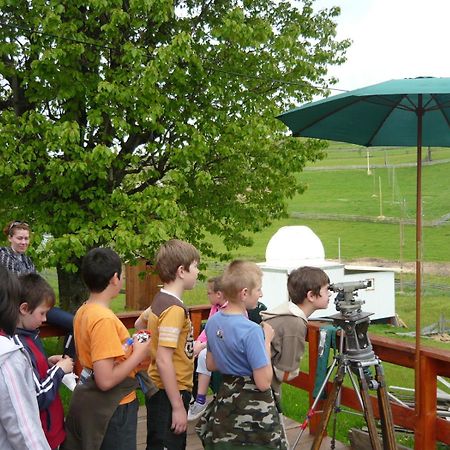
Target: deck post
<point>425,427</point>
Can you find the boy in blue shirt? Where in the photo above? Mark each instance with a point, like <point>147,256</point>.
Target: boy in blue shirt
<point>244,411</point>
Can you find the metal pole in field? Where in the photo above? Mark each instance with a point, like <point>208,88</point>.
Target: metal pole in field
<point>381,198</point>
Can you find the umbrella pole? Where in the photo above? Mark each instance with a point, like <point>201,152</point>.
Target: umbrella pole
<point>418,255</point>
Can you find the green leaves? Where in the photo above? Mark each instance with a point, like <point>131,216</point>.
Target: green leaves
<point>127,123</point>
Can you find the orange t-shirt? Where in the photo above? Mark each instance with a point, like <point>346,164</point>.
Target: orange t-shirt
<point>99,334</point>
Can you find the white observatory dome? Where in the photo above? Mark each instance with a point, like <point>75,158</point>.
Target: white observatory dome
<point>295,245</point>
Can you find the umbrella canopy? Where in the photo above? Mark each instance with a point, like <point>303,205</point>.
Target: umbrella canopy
<point>408,112</point>
<point>383,114</point>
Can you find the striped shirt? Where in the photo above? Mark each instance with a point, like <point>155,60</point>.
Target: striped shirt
<point>17,263</point>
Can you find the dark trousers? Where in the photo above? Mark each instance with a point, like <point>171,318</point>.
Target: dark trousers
<point>122,428</point>
<point>64,319</point>
<point>159,422</point>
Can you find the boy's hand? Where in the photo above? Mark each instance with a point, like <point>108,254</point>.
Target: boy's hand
<point>268,332</point>
<point>141,349</point>
<point>52,360</point>
<point>198,347</point>
<point>179,420</point>
<point>66,364</point>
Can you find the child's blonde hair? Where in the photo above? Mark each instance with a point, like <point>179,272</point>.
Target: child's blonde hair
<point>239,275</point>
<point>173,254</point>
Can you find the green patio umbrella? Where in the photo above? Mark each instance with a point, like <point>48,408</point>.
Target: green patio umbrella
<point>407,112</point>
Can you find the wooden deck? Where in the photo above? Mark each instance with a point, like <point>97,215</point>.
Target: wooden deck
<point>193,442</point>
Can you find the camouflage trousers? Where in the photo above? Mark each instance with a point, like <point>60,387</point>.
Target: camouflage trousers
<point>241,415</point>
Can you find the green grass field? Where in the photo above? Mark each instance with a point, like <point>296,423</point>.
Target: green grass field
<point>343,154</point>
<point>358,240</point>
<point>354,192</point>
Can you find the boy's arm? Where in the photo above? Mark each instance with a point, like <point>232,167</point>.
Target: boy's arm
<point>109,374</point>
<point>18,413</point>
<point>142,321</point>
<point>210,362</point>
<point>290,350</point>
<point>47,388</point>
<point>198,347</point>
<point>166,369</point>
<point>263,375</point>
<point>140,324</point>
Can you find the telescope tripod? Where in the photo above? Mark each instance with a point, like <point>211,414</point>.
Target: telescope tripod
<point>357,360</point>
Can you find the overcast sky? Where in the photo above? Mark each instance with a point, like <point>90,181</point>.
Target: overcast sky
<point>392,39</point>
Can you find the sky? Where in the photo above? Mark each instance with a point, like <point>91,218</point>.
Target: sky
<point>391,39</point>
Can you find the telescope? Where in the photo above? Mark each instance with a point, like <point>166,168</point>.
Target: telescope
<point>346,299</point>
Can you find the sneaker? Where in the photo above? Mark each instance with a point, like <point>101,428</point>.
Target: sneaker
<point>195,411</point>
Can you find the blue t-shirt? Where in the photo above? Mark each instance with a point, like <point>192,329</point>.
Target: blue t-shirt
<point>236,343</point>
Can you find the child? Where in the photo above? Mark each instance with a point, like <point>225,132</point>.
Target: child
<point>37,297</point>
<point>218,302</point>
<point>172,341</point>
<point>308,291</point>
<point>243,413</point>
<point>20,427</point>
<point>103,409</point>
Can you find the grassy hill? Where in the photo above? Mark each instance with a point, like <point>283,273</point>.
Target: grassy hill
<point>343,154</point>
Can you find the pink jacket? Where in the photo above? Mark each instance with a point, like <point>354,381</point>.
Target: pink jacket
<point>214,308</point>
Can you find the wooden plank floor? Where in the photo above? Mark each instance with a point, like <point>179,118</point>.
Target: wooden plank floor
<point>194,443</point>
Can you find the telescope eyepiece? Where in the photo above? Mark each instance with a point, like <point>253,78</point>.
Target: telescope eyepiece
<point>350,286</point>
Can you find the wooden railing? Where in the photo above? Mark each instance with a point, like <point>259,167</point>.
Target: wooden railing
<point>427,426</point>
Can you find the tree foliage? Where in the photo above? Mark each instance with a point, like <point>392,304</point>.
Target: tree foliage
<point>127,122</point>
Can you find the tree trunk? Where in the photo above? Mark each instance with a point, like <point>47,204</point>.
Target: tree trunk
<point>72,290</point>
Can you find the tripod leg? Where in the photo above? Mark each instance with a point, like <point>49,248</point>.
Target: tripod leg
<point>368,410</point>
<point>329,406</point>
<point>312,410</point>
<point>387,421</point>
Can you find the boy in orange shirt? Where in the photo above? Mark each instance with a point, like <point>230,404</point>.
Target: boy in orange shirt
<point>103,410</point>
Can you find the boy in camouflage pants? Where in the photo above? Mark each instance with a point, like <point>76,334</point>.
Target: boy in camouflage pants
<point>244,411</point>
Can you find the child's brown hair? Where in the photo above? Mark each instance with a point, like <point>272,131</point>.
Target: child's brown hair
<point>305,279</point>
<point>9,301</point>
<point>173,254</point>
<point>215,283</point>
<point>35,290</point>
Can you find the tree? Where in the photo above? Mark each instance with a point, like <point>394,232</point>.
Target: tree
<point>125,123</point>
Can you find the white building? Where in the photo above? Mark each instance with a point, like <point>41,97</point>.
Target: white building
<point>295,246</point>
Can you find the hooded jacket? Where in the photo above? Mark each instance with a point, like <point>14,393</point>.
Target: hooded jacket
<point>47,382</point>
<point>20,427</point>
<point>288,344</point>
